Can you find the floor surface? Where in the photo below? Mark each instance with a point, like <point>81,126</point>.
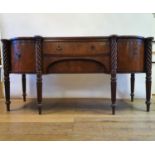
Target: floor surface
<point>77,119</point>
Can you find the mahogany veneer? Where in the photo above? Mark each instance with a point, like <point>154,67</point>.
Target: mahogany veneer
<point>110,55</point>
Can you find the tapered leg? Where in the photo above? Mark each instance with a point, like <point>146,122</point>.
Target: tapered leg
<point>132,86</point>
<point>39,93</point>
<point>6,61</point>
<point>38,50</point>
<point>24,86</point>
<point>148,91</point>
<point>113,93</point>
<point>113,46</point>
<point>7,91</point>
<point>148,68</point>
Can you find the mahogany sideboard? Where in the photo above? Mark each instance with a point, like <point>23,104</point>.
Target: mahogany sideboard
<point>46,55</point>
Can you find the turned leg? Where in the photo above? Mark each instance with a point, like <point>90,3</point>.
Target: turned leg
<point>148,92</point>
<point>38,50</point>
<point>7,91</point>
<point>132,86</point>
<point>113,93</point>
<point>113,71</point>
<point>6,61</point>
<point>148,68</point>
<point>24,86</point>
<point>39,93</point>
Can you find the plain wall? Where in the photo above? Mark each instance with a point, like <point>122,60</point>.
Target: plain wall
<point>75,85</point>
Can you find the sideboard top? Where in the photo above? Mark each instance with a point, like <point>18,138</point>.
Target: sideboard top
<point>79,37</point>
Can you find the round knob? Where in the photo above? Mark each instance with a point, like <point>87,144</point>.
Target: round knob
<point>59,48</point>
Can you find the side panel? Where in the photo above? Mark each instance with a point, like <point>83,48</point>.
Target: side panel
<point>130,55</point>
<point>23,56</point>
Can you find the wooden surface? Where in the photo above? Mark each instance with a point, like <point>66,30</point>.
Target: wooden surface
<point>77,119</point>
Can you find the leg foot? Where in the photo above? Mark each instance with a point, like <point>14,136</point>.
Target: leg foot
<point>7,92</point>
<point>148,92</point>
<point>113,94</point>
<point>39,93</point>
<point>113,109</point>
<point>8,106</point>
<point>148,106</point>
<point>39,109</point>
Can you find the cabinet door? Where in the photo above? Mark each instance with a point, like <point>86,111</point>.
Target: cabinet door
<point>131,55</point>
<point>23,56</point>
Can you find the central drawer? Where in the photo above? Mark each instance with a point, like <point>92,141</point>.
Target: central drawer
<point>76,56</point>
<point>76,48</point>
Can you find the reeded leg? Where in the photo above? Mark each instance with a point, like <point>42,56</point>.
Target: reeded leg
<point>132,86</point>
<point>39,93</point>
<point>7,92</point>
<point>6,57</point>
<point>24,86</point>
<point>148,68</point>
<point>38,50</point>
<point>113,46</point>
<point>113,93</point>
<point>148,92</point>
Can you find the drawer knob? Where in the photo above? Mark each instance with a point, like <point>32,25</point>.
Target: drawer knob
<point>59,48</point>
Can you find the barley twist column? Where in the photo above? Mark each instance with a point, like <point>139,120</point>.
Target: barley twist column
<point>38,50</point>
<point>148,68</point>
<point>6,62</point>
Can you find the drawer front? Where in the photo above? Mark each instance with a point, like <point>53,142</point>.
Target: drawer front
<point>76,65</point>
<point>77,48</point>
<point>23,57</point>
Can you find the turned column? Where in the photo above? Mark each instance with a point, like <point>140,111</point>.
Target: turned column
<point>148,68</point>
<point>132,80</point>
<point>24,86</point>
<point>113,45</point>
<point>38,50</point>
<point>6,63</point>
